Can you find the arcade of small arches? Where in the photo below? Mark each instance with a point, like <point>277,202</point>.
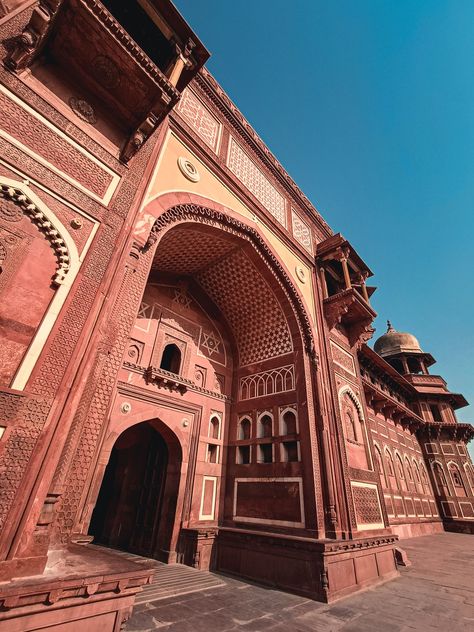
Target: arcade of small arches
<point>402,473</point>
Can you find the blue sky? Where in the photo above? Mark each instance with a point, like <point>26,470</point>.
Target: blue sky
<point>369,106</point>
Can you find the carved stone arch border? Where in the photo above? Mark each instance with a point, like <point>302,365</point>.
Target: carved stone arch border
<point>348,390</point>
<point>67,267</point>
<point>54,231</point>
<point>225,221</point>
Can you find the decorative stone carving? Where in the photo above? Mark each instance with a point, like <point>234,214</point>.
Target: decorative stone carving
<point>301,274</point>
<point>45,225</point>
<point>83,110</point>
<point>106,72</point>
<point>10,212</point>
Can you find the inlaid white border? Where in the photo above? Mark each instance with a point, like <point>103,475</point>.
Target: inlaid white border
<point>282,523</point>
<point>213,480</point>
<point>461,503</point>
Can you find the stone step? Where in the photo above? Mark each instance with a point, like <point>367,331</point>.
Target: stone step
<point>171,580</point>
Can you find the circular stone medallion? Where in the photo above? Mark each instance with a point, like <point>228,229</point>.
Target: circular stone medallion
<point>83,110</point>
<point>188,170</point>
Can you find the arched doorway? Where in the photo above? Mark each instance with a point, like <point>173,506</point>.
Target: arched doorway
<point>137,491</point>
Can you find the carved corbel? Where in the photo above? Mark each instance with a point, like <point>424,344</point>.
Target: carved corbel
<point>335,310</point>
<point>29,43</point>
<point>361,333</point>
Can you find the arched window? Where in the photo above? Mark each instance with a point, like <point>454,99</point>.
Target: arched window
<point>389,462</point>
<point>401,472</point>
<point>379,466</point>
<point>264,426</point>
<point>288,425</point>
<point>245,426</point>
<point>416,469</point>
<point>424,476</point>
<point>215,427</point>
<point>439,475</point>
<point>456,478</point>
<point>469,475</point>
<point>351,417</point>
<point>171,359</point>
<point>409,470</point>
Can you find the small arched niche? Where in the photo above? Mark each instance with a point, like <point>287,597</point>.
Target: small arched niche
<point>215,427</point>
<point>265,426</point>
<point>288,422</point>
<point>245,426</point>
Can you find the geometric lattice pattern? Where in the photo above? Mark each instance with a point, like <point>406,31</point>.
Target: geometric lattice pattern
<point>235,285</point>
<point>185,251</point>
<point>278,380</point>
<point>301,231</point>
<point>342,358</point>
<point>200,119</point>
<point>366,502</point>
<point>249,306</point>
<point>251,177</point>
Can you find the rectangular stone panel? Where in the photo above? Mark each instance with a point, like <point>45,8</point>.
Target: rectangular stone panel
<point>269,501</point>
<point>449,509</point>
<point>301,231</point>
<point>467,510</point>
<point>447,448</point>
<point>399,506</point>
<point>342,358</point>
<point>206,126</point>
<point>256,182</point>
<point>38,138</point>
<point>367,506</point>
<point>208,498</point>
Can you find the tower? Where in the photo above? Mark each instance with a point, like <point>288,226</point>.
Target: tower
<point>442,438</point>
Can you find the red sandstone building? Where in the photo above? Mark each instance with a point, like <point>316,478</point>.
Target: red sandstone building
<point>183,360</point>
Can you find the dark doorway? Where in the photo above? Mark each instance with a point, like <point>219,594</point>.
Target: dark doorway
<point>128,509</point>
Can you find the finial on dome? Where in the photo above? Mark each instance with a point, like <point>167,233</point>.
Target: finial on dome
<point>390,328</point>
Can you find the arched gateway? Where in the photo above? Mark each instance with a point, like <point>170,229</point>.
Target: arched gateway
<point>217,308</point>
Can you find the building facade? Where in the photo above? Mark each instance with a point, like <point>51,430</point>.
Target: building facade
<point>184,365</point>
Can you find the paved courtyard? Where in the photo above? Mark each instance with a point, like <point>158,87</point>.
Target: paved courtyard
<point>435,593</point>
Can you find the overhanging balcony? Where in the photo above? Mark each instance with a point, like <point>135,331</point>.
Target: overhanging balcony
<point>132,58</point>
<point>346,297</point>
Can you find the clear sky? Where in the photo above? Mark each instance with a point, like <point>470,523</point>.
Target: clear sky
<point>369,106</point>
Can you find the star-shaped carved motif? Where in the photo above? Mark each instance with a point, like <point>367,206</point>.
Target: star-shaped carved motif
<point>181,297</point>
<point>211,343</point>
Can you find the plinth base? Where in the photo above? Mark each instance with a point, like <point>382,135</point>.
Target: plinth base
<point>324,570</point>
<point>81,586</point>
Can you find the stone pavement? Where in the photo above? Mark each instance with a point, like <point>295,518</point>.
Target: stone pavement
<point>435,593</point>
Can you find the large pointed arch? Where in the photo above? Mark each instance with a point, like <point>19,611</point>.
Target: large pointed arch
<point>193,212</point>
